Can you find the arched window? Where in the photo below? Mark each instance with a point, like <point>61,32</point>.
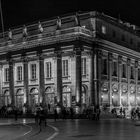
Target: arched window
<point>83,95</point>
<point>66,96</point>
<point>49,98</point>
<point>20,98</point>
<point>7,98</point>
<point>34,99</point>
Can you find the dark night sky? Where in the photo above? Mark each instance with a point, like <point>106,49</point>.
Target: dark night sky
<point>19,12</point>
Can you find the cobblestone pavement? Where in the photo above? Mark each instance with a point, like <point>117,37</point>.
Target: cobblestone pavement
<point>105,129</point>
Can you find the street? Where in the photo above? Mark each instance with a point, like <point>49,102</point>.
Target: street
<point>105,129</point>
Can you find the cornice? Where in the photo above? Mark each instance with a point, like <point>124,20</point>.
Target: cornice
<point>70,34</point>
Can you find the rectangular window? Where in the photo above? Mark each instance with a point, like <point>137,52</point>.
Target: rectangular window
<point>83,66</point>
<point>124,71</point>
<point>104,65</point>
<point>33,71</point>
<point>6,74</point>
<point>64,68</point>
<point>48,70</point>
<point>114,72</point>
<point>19,73</point>
<point>132,72</point>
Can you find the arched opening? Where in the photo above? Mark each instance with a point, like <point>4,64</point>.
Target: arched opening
<point>34,97</point>
<point>66,96</point>
<point>49,97</point>
<point>7,98</point>
<point>20,98</point>
<point>84,91</point>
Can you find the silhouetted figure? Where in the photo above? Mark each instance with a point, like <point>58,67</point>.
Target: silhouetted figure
<point>64,113</point>
<point>121,111</point>
<point>124,113</point>
<point>16,114</point>
<point>37,116</point>
<point>55,114</point>
<point>42,118</point>
<point>49,107</point>
<point>71,113</point>
<point>97,113</point>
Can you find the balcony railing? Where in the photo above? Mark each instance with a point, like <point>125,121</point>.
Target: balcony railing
<point>45,37</point>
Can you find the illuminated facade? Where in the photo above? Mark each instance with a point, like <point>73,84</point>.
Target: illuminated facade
<point>83,60</point>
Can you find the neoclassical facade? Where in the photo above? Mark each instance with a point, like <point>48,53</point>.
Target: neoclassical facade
<point>78,60</point>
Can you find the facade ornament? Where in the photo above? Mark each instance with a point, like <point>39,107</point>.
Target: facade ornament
<point>58,23</point>
<point>10,34</point>
<point>25,31</point>
<point>115,87</point>
<point>77,20</point>
<point>40,28</point>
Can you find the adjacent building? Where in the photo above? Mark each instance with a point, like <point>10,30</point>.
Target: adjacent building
<point>82,59</point>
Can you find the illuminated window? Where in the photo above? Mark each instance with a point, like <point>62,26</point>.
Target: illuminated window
<point>65,68</point>
<point>19,73</point>
<point>6,74</point>
<point>48,70</point>
<point>33,71</point>
<point>103,29</point>
<point>83,66</point>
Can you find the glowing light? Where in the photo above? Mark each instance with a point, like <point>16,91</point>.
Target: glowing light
<point>102,96</point>
<point>112,96</point>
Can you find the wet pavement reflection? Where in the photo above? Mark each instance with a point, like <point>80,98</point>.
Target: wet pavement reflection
<point>114,129</point>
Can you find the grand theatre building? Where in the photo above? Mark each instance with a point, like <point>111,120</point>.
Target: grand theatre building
<point>80,60</point>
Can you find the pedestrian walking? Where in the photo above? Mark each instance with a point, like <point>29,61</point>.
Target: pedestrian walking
<point>42,118</point>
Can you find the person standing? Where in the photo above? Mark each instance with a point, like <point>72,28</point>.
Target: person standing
<point>55,115</point>
<point>71,113</point>
<point>16,113</point>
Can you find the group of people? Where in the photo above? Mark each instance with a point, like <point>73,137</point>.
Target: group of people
<point>92,113</point>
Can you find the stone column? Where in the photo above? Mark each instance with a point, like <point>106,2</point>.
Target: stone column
<point>59,78</point>
<point>110,57</point>
<point>11,82</point>
<point>78,79</point>
<point>1,98</point>
<point>120,77</point>
<point>91,79</point>
<point>41,80</point>
<point>96,77</point>
<point>26,80</point>
<point>136,80</point>
<point>128,80</point>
